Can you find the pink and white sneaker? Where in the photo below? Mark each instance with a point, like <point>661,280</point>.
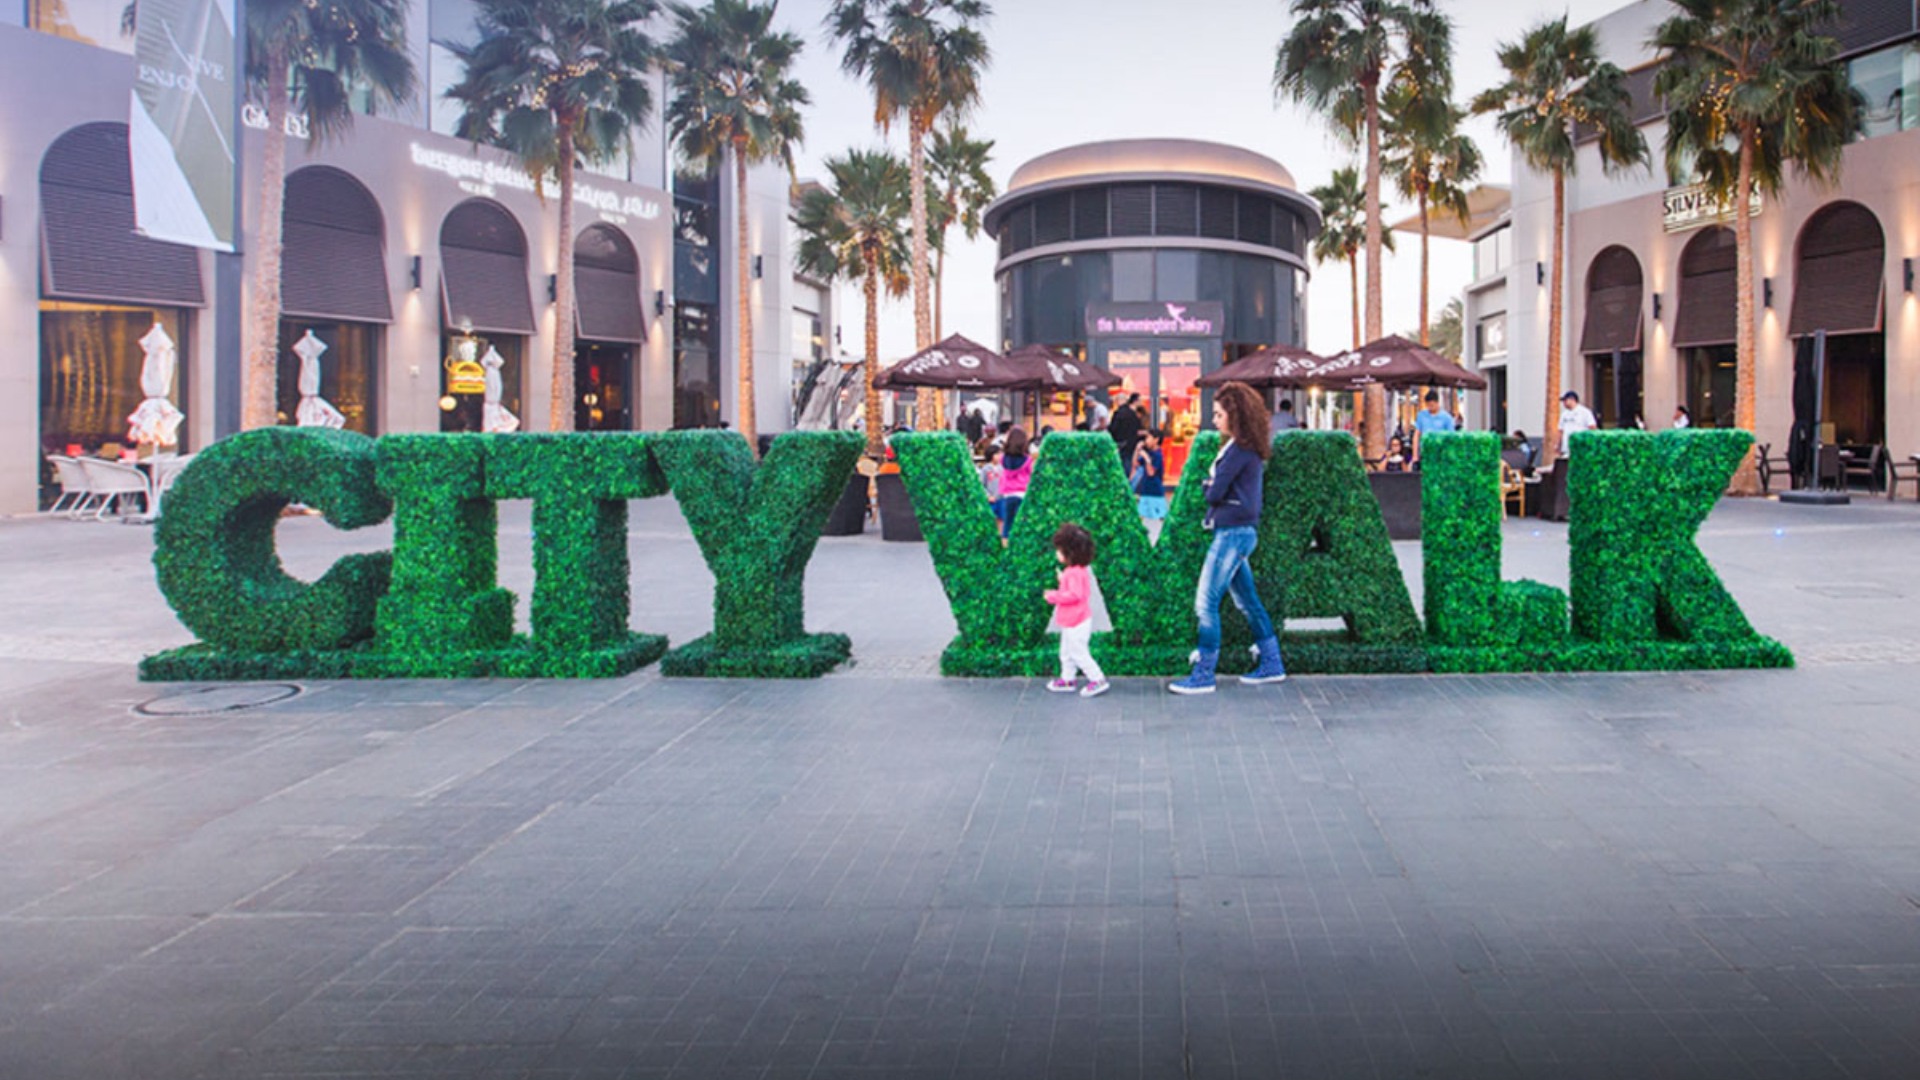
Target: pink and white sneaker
<point>1096,688</point>
<point>1063,686</point>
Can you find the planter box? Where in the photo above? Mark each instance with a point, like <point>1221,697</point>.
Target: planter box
<point>896,510</point>
<point>1399,497</point>
<point>849,516</point>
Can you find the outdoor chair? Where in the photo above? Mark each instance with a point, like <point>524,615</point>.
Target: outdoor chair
<point>1902,472</point>
<point>1828,473</point>
<point>1771,466</point>
<point>76,489</point>
<point>1868,466</point>
<point>165,471</point>
<point>115,483</point>
<point>1513,488</point>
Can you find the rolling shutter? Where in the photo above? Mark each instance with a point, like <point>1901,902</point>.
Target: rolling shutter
<point>483,270</point>
<point>89,250</point>
<point>1837,283</point>
<point>1613,303</point>
<point>333,265</point>
<point>1706,313</point>
<point>606,285</point>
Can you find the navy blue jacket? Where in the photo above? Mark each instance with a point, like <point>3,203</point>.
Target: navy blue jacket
<point>1234,488</point>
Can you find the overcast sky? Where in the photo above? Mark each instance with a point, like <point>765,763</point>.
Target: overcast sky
<point>1074,71</point>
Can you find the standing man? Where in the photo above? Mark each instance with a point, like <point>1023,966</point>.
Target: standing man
<point>1574,417</point>
<point>1283,418</point>
<point>1124,427</point>
<point>1429,419</point>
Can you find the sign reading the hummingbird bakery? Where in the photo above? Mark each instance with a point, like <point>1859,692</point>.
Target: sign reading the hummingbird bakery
<point>1193,319</point>
<point>1693,206</point>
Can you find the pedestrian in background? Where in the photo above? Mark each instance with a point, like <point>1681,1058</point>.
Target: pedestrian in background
<point>1016,471</point>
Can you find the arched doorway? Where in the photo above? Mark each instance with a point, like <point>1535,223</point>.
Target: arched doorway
<point>102,287</point>
<point>333,284</point>
<point>609,323</point>
<point>485,306</point>
<point>1610,339</point>
<point>1704,326</point>
<point>1837,288</point>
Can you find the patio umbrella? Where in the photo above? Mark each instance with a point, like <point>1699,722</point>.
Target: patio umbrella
<point>958,364</point>
<point>1060,372</point>
<point>1395,363</point>
<point>314,410</point>
<point>1287,366</point>
<point>156,420</point>
<point>493,415</point>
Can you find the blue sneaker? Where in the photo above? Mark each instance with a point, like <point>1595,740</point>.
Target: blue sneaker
<point>1200,679</point>
<point>1269,669</point>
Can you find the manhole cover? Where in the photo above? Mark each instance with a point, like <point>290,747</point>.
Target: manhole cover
<point>209,700</point>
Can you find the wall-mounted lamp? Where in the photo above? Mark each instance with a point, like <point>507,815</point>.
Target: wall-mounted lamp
<point>1656,307</point>
<point>1539,273</point>
<point>413,271</point>
<point>1906,266</point>
<point>659,301</point>
<point>1766,291</point>
<point>553,288</point>
<point>837,340</point>
<point>759,267</point>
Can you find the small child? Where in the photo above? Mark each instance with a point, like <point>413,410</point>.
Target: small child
<point>1077,606</point>
<point>990,475</point>
<point>1150,472</point>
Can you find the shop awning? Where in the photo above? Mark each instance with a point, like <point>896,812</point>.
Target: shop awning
<point>483,271</point>
<point>89,250</point>
<point>606,285</point>
<point>333,264</point>
<point>1705,314</point>
<point>1613,303</point>
<point>1837,284</point>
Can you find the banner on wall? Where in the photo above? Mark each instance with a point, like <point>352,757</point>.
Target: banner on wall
<point>180,130</point>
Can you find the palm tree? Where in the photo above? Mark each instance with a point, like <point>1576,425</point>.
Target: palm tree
<point>1335,60</point>
<point>734,97</point>
<point>1556,82</point>
<point>308,58</point>
<point>558,82</point>
<point>858,229</point>
<point>961,188</point>
<point>922,59</point>
<point>1751,86</point>
<point>1430,160</point>
<point>1343,232</point>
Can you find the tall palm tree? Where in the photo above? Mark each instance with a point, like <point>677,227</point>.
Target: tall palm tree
<point>734,97</point>
<point>307,59</point>
<point>1343,230</point>
<point>921,59</point>
<point>961,189</point>
<point>858,229</point>
<point>1431,162</point>
<point>1336,60</point>
<point>1751,86</point>
<point>558,82</point>
<point>1556,82</point>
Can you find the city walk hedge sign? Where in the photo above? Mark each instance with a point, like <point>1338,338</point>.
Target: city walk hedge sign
<point>1642,596</point>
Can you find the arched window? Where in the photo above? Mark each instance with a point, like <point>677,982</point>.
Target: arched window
<point>333,264</point>
<point>1613,303</point>
<point>483,270</point>
<point>92,251</point>
<point>1837,282</point>
<point>607,286</point>
<point>1707,291</point>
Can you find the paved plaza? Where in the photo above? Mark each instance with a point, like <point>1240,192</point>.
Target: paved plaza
<point>887,874</point>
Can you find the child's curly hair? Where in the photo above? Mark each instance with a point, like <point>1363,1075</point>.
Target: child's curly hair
<point>1074,544</point>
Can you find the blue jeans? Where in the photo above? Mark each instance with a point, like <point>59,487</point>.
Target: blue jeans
<point>1227,572</point>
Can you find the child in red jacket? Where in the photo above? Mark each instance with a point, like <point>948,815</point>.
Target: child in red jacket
<point>1077,605</point>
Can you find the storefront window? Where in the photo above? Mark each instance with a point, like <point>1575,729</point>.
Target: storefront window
<point>696,367</point>
<point>1492,254</point>
<point>90,359</point>
<point>602,398</point>
<point>349,370</point>
<point>1889,80</point>
<point>1709,374</point>
<point>90,22</point>
<point>463,379</point>
<point>1490,336</point>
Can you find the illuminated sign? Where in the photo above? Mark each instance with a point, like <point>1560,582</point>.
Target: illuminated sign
<point>1198,319</point>
<point>1693,206</point>
<point>481,176</point>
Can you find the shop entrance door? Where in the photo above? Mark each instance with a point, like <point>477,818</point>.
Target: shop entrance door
<point>600,398</point>
<point>1163,374</point>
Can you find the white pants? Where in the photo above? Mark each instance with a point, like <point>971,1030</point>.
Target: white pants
<point>1076,653</point>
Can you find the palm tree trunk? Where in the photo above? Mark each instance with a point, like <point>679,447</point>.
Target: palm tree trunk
<point>1375,398</point>
<point>1353,273</point>
<point>1746,481</point>
<point>927,407</point>
<point>940,288</point>
<point>747,419</point>
<point>1426,233</point>
<point>1551,446</point>
<point>260,395</point>
<point>874,423</point>
<point>560,412</point>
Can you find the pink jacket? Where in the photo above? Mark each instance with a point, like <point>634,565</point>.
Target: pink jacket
<point>1014,478</point>
<point>1074,596</point>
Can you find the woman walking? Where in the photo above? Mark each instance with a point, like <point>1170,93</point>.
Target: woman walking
<point>1233,488</point>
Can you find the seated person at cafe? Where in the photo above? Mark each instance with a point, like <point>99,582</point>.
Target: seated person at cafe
<point>1396,459</point>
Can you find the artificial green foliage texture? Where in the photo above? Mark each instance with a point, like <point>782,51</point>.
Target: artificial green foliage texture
<point>1467,603</point>
<point>757,527</point>
<point>580,485</point>
<point>214,550</point>
<point>445,601</point>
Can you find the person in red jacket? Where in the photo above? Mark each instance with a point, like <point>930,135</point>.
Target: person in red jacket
<point>1076,607</point>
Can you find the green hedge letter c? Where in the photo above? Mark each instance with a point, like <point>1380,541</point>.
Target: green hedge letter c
<point>214,548</point>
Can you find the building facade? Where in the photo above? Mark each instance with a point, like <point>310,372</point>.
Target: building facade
<point>408,253</point>
<point>1650,320</point>
<point>1158,259</point>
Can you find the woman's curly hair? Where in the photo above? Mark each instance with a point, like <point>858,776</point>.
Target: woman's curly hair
<point>1247,415</point>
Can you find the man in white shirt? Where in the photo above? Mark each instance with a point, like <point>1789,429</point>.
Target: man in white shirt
<point>1574,417</point>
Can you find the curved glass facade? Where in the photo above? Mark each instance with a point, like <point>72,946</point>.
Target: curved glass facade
<point>1044,300</point>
